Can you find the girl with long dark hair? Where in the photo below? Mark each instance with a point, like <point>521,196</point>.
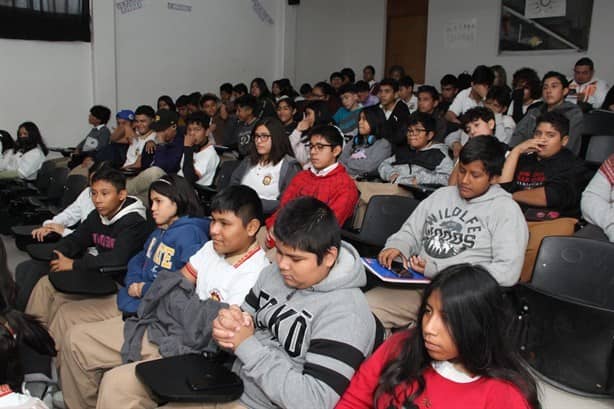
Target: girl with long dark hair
<point>28,155</point>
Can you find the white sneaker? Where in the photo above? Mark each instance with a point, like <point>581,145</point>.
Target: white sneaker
<point>58,400</point>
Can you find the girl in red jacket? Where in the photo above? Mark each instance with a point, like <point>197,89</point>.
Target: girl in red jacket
<point>457,357</point>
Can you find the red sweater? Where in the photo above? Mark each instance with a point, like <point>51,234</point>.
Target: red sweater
<point>337,189</point>
<point>439,392</point>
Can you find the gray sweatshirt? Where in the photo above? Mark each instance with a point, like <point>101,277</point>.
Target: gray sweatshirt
<point>422,175</point>
<point>364,159</point>
<point>308,343</point>
<point>598,199</point>
<point>446,229</point>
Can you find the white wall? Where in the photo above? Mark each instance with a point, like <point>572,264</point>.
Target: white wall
<point>48,83</point>
<point>442,60</point>
<point>335,34</point>
<point>161,51</point>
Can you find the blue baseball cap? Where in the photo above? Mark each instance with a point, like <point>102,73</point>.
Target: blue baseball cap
<point>125,114</point>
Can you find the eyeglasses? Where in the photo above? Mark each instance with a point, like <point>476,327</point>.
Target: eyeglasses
<point>262,136</point>
<point>319,147</point>
<point>415,131</point>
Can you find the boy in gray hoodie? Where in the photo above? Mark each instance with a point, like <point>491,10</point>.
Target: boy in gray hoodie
<point>305,326</point>
<point>474,222</point>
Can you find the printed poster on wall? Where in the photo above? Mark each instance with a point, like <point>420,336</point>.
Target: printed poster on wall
<point>545,8</point>
<point>460,33</point>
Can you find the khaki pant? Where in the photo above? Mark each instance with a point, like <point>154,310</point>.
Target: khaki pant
<point>89,350</point>
<point>394,307</point>
<point>370,189</point>
<point>229,405</point>
<point>139,185</point>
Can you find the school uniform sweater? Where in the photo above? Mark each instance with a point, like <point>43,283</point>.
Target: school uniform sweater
<point>168,249</point>
<point>336,189</point>
<point>116,240</point>
<point>308,342</point>
<point>439,392</point>
<point>363,159</point>
<point>430,165</point>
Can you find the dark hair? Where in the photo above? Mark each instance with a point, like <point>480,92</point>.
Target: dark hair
<point>291,103</point>
<point>483,75</point>
<point>226,87</point>
<point>362,86</point>
<point>305,88</point>
<point>308,224</point>
<point>33,140</point>
<point>179,191</point>
<point>531,79</point>
<point>586,61</point>
<point>429,89</point>
<point>390,82</point>
<point>335,74</point>
<point>113,176</point>
<point>396,68</point>
<point>147,110</point>
<point>476,113</point>
<point>182,101</point>
<point>248,101</point>
<point>241,200</point>
<point>101,112</point>
<point>8,289</point>
<point>487,149</point>
<point>280,144</point>
<point>169,102</point>
<point>326,88</point>
<point>406,81</point>
<point>349,73</point>
<point>501,95</point>
<point>330,133</point>
<point>240,88</point>
<point>478,317</point>
<point>198,117</point>
<point>194,98</point>
<point>264,89</point>
<point>369,67</point>
<point>557,120</point>
<point>286,88</point>
<point>449,79</point>
<point>7,141</point>
<point>351,88</point>
<point>464,81</point>
<point>427,121</point>
<point>376,119</point>
<point>558,75</point>
<point>498,69</point>
<point>98,166</point>
<point>320,109</point>
<point>208,97</point>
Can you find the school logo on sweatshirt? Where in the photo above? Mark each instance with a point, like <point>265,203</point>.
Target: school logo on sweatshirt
<point>450,231</point>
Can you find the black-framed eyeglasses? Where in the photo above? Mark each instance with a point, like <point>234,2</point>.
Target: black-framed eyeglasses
<point>415,131</point>
<point>317,146</point>
<point>262,136</point>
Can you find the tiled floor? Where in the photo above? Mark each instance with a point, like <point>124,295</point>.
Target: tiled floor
<point>550,397</point>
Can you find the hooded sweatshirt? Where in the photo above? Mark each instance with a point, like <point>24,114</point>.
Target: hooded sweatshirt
<point>445,229</point>
<point>430,165</point>
<point>308,342</point>
<point>363,159</point>
<point>168,249</point>
<point>116,239</point>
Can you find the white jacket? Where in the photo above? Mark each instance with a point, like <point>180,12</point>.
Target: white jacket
<point>26,164</point>
<point>74,213</point>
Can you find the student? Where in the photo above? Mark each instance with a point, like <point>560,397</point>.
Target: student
<point>211,106</point>
<point>474,222</point>
<point>396,72</point>
<point>260,91</point>
<point>193,103</point>
<point>166,102</point>
<point>143,118</point>
<point>336,81</point>
<point>346,117</point>
<point>368,75</point>
<point>286,111</point>
<point>222,271</point>
<point>457,357</point>
<point>315,286</point>
<point>180,232</point>
<point>527,92</point>
<point>543,173</point>
<point>349,76</point>
<point>406,93</point>
<point>200,160</point>
<point>275,90</point>
<point>182,109</point>
<point>238,90</point>
<point>305,90</point>
<point>124,130</point>
<point>28,155</point>
<point>238,132</point>
<point>476,121</point>
<point>364,94</point>
<point>498,100</point>
<point>422,161</point>
<point>326,179</point>
<point>481,81</point>
<point>449,89</point>
<point>585,87</point>
<point>500,79</point>
<point>95,140</point>
<point>226,92</point>
<point>325,92</point>
<point>598,203</point>
<point>6,143</point>
<point>117,230</point>
<point>316,113</point>
<point>369,147</point>
<point>269,167</point>
<point>428,103</point>
<point>286,89</point>
<point>396,112</point>
<point>554,90</point>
